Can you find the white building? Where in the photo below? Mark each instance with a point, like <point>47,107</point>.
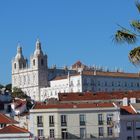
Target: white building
<point>130,122</point>
<point>33,77</point>
<point>95,81</point>
<point>74,121</point>
<point>39,81</point>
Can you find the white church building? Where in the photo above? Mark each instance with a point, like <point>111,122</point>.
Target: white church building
<point>40,82</point>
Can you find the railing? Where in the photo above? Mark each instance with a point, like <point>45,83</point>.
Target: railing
<point>40,125</point>
<point>100,122</point>
<point>82,123</point>
<point>51,124</point>
<point>87,136</point>
<point>63,123</point>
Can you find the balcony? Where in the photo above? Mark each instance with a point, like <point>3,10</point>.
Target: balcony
<point>51,124</point>
<point>100,122</point>
<point>82,123</point>
<point>109,122</point>
<point>40,125</point>
<point>63,123</point>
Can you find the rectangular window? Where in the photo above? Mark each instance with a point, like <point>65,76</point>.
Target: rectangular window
<point>82,119</point>
<point>39,121</point>
<point>100,119</point>
<point>129,138</point>
<point>64,133</point>
<point>63,120</point>
<point>129,125</point>
<point>82,133</point>
<point>40,133</point>
<point>119,83</point>
<point>125,84</point>
<point>101,131</point>
<point>98,83</point>
<point>78,82</point>
<point>52,135</point>
<point>109,119</point>
<point>112,83</point>
<point>138,125</point>
<point>109,131</point>
<point>51,121</point>
<point>71,83</point>
<point>105,83</point>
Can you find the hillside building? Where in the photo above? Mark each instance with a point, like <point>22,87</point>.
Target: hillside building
<point>39,81</point>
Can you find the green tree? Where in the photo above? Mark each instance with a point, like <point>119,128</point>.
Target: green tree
<point>1,86</point>
<point>130,36</point>
<point>17,92</point>
<point>9,87</point>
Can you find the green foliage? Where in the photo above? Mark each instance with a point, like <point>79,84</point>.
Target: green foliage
<point>1,86</point>
<point>125,36</point>
<point>137,5</point>
<point>17,92</point>
<point>136,25</point>
<point>9,87</point>
<point>29,104</point>
<point>130,36</point>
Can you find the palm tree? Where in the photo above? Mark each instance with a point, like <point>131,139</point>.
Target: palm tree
<point>130,36</point>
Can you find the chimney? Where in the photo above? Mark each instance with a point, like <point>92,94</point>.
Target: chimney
<point>125,101</point>
<point>133,100</point>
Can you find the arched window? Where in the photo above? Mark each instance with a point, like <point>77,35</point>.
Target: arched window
<point>42,62</point>
<point>15,65</point>
<point>34,62</point>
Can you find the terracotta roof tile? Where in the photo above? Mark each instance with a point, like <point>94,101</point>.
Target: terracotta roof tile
<point>19,103</point>
<point>6,120</point>
<point>128,109</point>
<point>78,64</point>
<point>112,74</point>
<point>13,129</point>
<point>71,105</point>
<point>98,96</point>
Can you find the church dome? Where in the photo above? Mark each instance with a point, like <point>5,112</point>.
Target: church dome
<point>19,53</point>
<point>38,50</point>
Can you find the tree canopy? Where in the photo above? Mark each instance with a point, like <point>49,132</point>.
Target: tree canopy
<point>17,92</point>
<point>130,36</point>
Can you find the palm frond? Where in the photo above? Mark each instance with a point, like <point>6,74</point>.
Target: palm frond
<point>134,56</point>
<point>122,36</point>
<point>138,5</point>
<point>136,25</point>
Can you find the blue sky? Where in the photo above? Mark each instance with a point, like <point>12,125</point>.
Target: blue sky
<point>69,30</point>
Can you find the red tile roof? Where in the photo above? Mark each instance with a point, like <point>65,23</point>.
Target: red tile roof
<point>78,64</point>
<point>13,129</point>
<point>98,96</point>
<point>18,103</point>
<point>6,120</point>
<point>128,109</point>
<point>71,105</point>
<point>112,74</point>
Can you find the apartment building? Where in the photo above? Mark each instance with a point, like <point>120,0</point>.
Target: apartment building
<point>74,121</point>
<point>130,122</point>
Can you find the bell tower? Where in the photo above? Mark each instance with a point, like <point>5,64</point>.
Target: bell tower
<point>19,63</point>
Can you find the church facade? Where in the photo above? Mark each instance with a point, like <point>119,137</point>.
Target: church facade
<point>30,78</point>
<point>40,82</point>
